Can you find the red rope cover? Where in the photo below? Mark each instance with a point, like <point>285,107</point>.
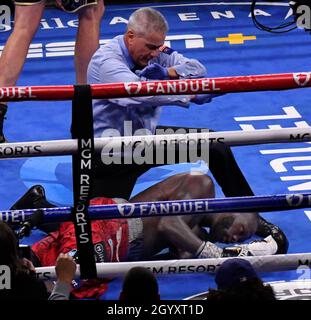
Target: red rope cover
<point>281,81</point>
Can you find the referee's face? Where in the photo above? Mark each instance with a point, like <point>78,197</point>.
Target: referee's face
<point>143,48</point>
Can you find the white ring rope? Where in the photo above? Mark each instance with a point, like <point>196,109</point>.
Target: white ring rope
<point>282,262</point>
<point>108,144</point>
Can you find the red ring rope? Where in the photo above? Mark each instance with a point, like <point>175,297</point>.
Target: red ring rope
<point>282,81</point>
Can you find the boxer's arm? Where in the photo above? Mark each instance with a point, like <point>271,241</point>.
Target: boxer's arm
<point>180,236</point>
<point>198,231</point>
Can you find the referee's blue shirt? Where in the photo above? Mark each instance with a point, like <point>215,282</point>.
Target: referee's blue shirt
<point>113,63</point>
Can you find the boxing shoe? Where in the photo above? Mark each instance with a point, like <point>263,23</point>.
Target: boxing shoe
<point>3,110</point>
<point>31,199</point>
<point>267,246</point>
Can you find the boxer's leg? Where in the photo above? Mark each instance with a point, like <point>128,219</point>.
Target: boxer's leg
<point>87,39</point>
<point>26,22</point>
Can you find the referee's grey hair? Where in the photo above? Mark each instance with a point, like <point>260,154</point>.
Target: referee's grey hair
<point>146,20</point>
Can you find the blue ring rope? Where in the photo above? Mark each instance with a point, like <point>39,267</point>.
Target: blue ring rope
<point>169,208</point>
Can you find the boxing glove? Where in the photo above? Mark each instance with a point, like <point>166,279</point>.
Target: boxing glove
<point>208,250</point>
<point>267,246</point>
<point>266,228</point>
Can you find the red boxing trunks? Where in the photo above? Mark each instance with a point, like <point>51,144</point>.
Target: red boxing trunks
<point>110,239</point>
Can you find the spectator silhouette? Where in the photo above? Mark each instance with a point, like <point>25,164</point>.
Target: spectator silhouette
<point>139,286</point>
<point>237,280</point>
<point>23,282</point>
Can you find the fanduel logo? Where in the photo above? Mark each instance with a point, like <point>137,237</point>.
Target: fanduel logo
<point>302,78</point>
<point>126,210</point>
<point>294,200</point>
<point>132,87</point>
<point>5,18</point>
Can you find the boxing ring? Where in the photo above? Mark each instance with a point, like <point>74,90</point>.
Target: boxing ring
<point>62,146</point>
<point>163,208</point>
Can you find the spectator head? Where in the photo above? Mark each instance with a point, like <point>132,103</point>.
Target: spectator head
<point>140,285</point>
<point>8,247</point>
<point>238,281</point>
<point>23,282</point>
<point>233,272</point>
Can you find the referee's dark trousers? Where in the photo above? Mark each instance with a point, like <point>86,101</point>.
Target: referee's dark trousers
<point>118,180</point>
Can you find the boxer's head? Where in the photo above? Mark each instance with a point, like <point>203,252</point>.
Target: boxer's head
<point>233,227</point>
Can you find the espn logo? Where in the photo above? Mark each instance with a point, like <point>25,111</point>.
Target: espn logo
<point>5,18</point>
<point>66,48</point>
